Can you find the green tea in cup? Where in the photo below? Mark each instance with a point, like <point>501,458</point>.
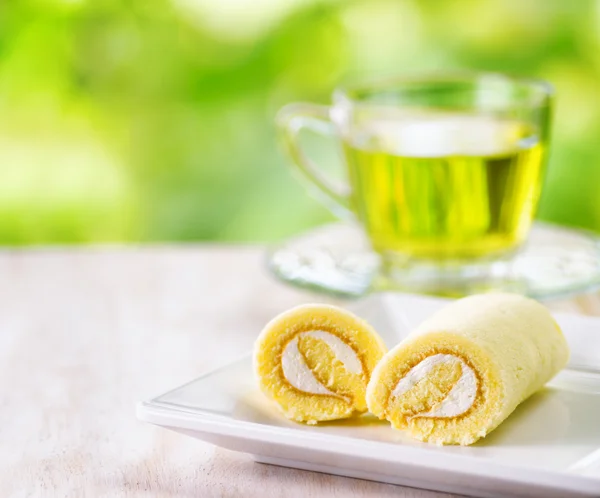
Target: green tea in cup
<point>443,171</point>
<point>445,186</point>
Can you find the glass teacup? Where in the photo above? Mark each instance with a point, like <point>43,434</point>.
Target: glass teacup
<point>444,172</point>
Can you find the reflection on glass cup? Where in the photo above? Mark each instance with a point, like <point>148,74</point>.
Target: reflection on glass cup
<point>444,170</point>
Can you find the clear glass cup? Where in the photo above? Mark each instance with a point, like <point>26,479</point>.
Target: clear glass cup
<point>444,172</point>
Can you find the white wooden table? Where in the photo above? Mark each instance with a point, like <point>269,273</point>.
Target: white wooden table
<point>86,333</point>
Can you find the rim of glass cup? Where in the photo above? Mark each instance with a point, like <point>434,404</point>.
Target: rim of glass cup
<point>544,91</point>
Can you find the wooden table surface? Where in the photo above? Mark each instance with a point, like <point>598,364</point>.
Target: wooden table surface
<point>86,333</point>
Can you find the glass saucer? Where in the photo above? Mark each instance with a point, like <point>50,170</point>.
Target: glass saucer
<point>337,259</point>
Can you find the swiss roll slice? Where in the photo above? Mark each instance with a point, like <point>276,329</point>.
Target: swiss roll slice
<point>315,362</point>
<point>464,370</point>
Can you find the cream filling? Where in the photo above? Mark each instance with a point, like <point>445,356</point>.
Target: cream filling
<point>299,375</point>
<point>460,398</point>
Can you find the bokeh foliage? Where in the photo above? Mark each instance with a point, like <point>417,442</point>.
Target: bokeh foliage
<point>148,120</point>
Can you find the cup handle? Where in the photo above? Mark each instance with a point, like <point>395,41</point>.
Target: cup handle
<point>291,119</point>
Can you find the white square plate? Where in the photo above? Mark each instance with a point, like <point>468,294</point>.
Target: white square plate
<point>550,446</point>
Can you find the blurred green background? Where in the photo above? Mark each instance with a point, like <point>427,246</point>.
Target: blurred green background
<point>152,120</point>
